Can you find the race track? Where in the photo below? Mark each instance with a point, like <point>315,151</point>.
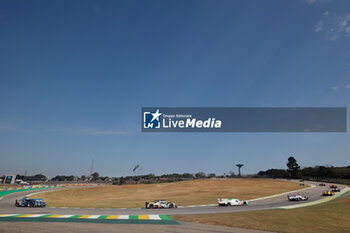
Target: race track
<point>314,193</point>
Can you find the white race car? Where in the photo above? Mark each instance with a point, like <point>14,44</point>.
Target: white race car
<point>231,202</point>
<point>160,204</point>
<point>297,197</point>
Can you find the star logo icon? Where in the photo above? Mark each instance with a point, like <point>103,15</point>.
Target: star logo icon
<point>156,115</point>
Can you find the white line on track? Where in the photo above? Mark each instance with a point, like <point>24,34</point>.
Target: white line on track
<point>276,195</point>
<point>154,217</point>
<point>34,215</point>
<point>65,216</point>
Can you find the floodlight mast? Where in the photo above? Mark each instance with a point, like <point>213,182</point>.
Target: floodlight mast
<point>239,168</point>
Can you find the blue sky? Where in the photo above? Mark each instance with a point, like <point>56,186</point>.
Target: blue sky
<point>75,74</point>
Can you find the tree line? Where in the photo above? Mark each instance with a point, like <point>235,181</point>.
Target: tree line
<point>147,178</point>
<point>294,171</point>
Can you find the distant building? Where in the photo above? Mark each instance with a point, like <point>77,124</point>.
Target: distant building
<point>9,179</point>
<point>37,179</point>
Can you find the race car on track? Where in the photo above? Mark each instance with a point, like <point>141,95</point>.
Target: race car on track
<point>160,204</point>
<point>328,193</point>
<point>231,202</point>
<point>333,186</point>
<point>297,197</point>
<point>335,190</point>
<point>322,184</point>
<point>25,202</point>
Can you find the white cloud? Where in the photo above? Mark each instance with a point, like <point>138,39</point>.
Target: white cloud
<point>347,29</point>
<point>326,13</point>
<point>338,88</point>
<point>319,26</point>
<point>334,37</point>
<point>343,22</point>
<point>334,27</point>
<point>335,88</point>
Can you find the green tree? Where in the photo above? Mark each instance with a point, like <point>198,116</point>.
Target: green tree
<point>293,167</point>
<point>95,176</point>
<point>232,174</point>
<point>41,176</point>
<point>211,175</point>
<point>122,181</point>
<point>187,176</point>
<point>200,175</point>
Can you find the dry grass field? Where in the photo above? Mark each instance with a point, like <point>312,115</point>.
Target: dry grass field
<point>332,217</point>
<point>194,192</point>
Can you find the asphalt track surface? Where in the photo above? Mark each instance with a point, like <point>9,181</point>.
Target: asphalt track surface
<point>26,227</point>
<point>315,193</point>
<point>7,207</point>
